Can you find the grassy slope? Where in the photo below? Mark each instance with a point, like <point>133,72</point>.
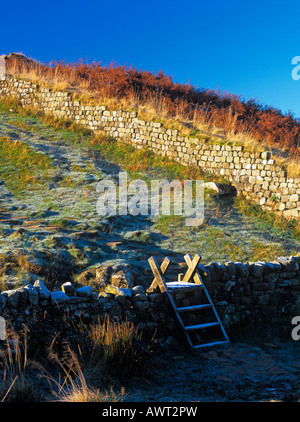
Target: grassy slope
<point>269,234</point>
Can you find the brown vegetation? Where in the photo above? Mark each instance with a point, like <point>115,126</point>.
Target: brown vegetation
<point>234,116</point>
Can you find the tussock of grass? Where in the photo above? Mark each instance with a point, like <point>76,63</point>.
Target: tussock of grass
<point>81,371</point>
<point>113,347</point>
<point>20,166</point>
<point>18,373</point>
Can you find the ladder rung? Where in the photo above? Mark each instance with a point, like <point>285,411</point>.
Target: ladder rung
<point>197,346</point>
<point>180,287</point>
<point>194,308</point>
<point>201,326</point>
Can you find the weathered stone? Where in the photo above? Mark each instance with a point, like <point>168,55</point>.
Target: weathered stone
<point>33,295</point>
<point>290,264</point>
<point>12,297</point>
<point>118,275</point>
<point>242,270</point>
<point>23,296</point>
<point>141,306</point>
<point>68,289</point>
<point>222,271</point>
<point>3,300</point>
<point>121,278</point>
<point>84,291</point>
<point>58,297</point>
<point>114,290</point>
<point>103,275</point>
<point>138,289</point>
<point>156,298</point>
<point>256,269</point>
<point>139,297</point>
<point>42,290</point>
<point>86,276</point>
<point>221,188</point>
<point>231,269</point>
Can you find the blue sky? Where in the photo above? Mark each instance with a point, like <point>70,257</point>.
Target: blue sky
<point>244,47</point>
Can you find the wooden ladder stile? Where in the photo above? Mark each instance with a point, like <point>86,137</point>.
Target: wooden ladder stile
<point>158,277</point>
<point>198,280</point>
<point>184,285</point>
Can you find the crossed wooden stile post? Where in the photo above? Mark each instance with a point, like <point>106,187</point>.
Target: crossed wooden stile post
<point>190,283</point>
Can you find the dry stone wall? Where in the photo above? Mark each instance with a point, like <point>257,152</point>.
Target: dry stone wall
<point>255,174</point>
<point>263,295</point>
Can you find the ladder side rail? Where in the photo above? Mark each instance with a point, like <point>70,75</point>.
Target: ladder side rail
<point>198,280</point>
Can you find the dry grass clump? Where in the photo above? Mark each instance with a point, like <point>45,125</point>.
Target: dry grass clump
<point>20,377</point>
<point>79,370</point>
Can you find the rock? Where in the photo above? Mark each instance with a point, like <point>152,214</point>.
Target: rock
<point>284,283</point>
<point>121,278</point>
<point>3,300</point>
<point>290,264</point>
<point>116,275</point>
<point>58,297</point>
<point>242,270</point>
<point>139,297</point>
<point>114,290</point>
<point>204,273</point>
<point>231,269</point>
<point>33,295</point>
<point>68,289</point>
<point>123,300</point>
<point>102,275</point>
<point>229,284</point>
<point>12,297</point>
<point>84,291</point>
<point>256,269</point>
<point>221,188</point>
<point>223,275</point>
<point>23,296</point>
<point>141,306</point>
<point>156,298</point>
<point>222,303</point>
<point>42,290</point>
<point>210,269</point>
<point>271,277</point>
<point>138,290</point>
